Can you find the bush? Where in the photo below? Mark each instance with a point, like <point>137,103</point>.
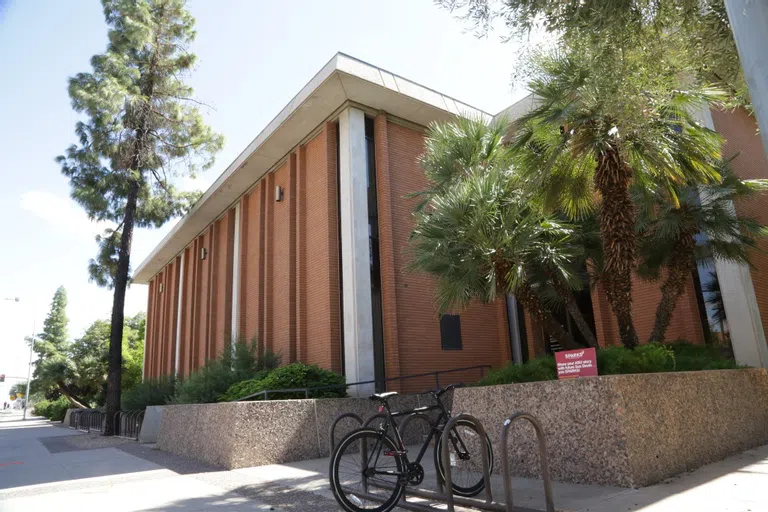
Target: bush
<point>690,357</point>
<point>54,410</point>
<point>541,368</point>
<point>150,392</point>
<point>652,358</point>
<point>295,375</point>
<point>207,384</point>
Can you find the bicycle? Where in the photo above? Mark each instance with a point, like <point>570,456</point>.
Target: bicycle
<point>370,468</point>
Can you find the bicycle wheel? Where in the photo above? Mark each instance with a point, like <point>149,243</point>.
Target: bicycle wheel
<point>365,472</point>
<point>466,458</point>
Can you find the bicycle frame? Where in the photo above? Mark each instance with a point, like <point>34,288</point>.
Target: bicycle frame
<point>436,429</point>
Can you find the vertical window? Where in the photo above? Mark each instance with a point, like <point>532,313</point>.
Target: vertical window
<point>450,332</point>
<point>374,262</point>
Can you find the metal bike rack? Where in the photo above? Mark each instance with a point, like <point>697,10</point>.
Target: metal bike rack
<point>332,430</point>
<point>542,456</point>
<point>86,420</point>
<point>447,496</point>
<point>128,423</point>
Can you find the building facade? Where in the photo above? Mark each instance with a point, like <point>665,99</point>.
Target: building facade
<point>301,244</point>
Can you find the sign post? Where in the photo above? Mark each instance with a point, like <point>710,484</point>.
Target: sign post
<point>573,364</point>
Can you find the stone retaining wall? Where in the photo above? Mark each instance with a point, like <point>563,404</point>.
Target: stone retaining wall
<point>243,434</point>
<point>623,430</point>
<point>627,430</point>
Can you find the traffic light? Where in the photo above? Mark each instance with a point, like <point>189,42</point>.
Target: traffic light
<point>2,377</point>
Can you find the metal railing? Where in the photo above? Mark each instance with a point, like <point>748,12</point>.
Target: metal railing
<point>128,423</point>
<point>307,391</point>
<point>87,420</point>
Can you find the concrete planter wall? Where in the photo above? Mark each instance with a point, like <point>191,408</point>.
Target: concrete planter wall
<point>624,430</point>
<point>243,434</point>
<point>627,430</point>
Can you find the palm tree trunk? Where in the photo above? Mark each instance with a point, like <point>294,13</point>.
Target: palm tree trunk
<point>617,231</point>
<point>678,272</point>
<point>532,304</point>
<point>573,309</point>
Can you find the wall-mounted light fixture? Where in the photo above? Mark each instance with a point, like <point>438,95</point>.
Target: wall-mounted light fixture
<point>203,253</point>
<point>278,193</point>
<point>161,287</point>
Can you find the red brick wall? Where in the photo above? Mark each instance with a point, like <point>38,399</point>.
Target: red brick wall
<point>252,264</point>
<point>743,144</point>
<point>483,326</point>
<point>221,284</point>
<point>280,265</point>
<point>319,240</point>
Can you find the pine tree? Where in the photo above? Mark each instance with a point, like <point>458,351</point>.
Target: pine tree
<point>54,368</point>
<point>142,129</point>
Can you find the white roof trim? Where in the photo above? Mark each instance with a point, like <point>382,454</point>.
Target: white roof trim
<point>342,79</point>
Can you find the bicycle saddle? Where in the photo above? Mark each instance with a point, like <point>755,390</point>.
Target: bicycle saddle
<point>382,396</point>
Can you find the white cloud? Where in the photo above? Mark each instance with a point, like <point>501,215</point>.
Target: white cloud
<point>61,213</point>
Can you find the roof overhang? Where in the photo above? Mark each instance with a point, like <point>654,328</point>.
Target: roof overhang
<point>342,80</point>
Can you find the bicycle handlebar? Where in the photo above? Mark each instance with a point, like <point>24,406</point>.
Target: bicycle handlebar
<point>449,387</point>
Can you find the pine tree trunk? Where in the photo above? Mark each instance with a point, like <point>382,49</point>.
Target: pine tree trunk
<point>118,304</point>
<point>678,272</point>
<point>617,230</point>
<point>573,309</point>
<point>64,390</point>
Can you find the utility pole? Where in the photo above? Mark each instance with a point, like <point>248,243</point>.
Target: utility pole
<point>749,22</point>
<point>29,370</point>
<point>29,365</point>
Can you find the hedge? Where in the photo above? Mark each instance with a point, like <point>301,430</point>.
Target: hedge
<point>650,358</point>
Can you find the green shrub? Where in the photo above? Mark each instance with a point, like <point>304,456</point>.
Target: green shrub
<point>690,357</point>
<point>207,384</point>
<point>243,388</point>
<point>54,410</point>
<point>541,368</point>
<point>150,392</point>
<point>651,358</point>
<point>296,375</point>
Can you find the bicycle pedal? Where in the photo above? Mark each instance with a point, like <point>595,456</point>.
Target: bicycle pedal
<point>393,453</point>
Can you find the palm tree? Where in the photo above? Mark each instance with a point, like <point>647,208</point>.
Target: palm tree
<point>600,125</point>
<point>701,227</point>
<point>713,297</point>
<point>480,234</point>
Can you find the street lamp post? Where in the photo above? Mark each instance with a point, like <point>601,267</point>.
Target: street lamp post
<point>29,365</point>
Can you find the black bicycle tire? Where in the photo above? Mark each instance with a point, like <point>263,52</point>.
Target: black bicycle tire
<point>338,493</point>
<point>476,489</point>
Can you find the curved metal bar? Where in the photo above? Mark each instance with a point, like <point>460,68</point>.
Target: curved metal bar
<point>370,419</point>
<point>542,455</point>
<point>412,417</point>
<point>332,430</point>
<point>445,457</point>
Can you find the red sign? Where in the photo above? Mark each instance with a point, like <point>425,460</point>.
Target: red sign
<point>572,364</point>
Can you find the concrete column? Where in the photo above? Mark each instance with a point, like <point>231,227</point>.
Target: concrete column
<point>738,292</point>
<point>355,251</point>
<point>236,278</point>
<point>749,22</point>
<point>177,355</point>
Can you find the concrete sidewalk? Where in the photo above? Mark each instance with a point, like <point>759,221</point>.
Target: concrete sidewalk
<point>47,467</point>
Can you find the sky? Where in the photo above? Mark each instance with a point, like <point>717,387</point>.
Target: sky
<point>253,57</point>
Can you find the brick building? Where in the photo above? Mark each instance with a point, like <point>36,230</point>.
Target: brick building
<point>302,243</point>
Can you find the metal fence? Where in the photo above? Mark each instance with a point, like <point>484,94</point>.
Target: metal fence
<point>264,395</point>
